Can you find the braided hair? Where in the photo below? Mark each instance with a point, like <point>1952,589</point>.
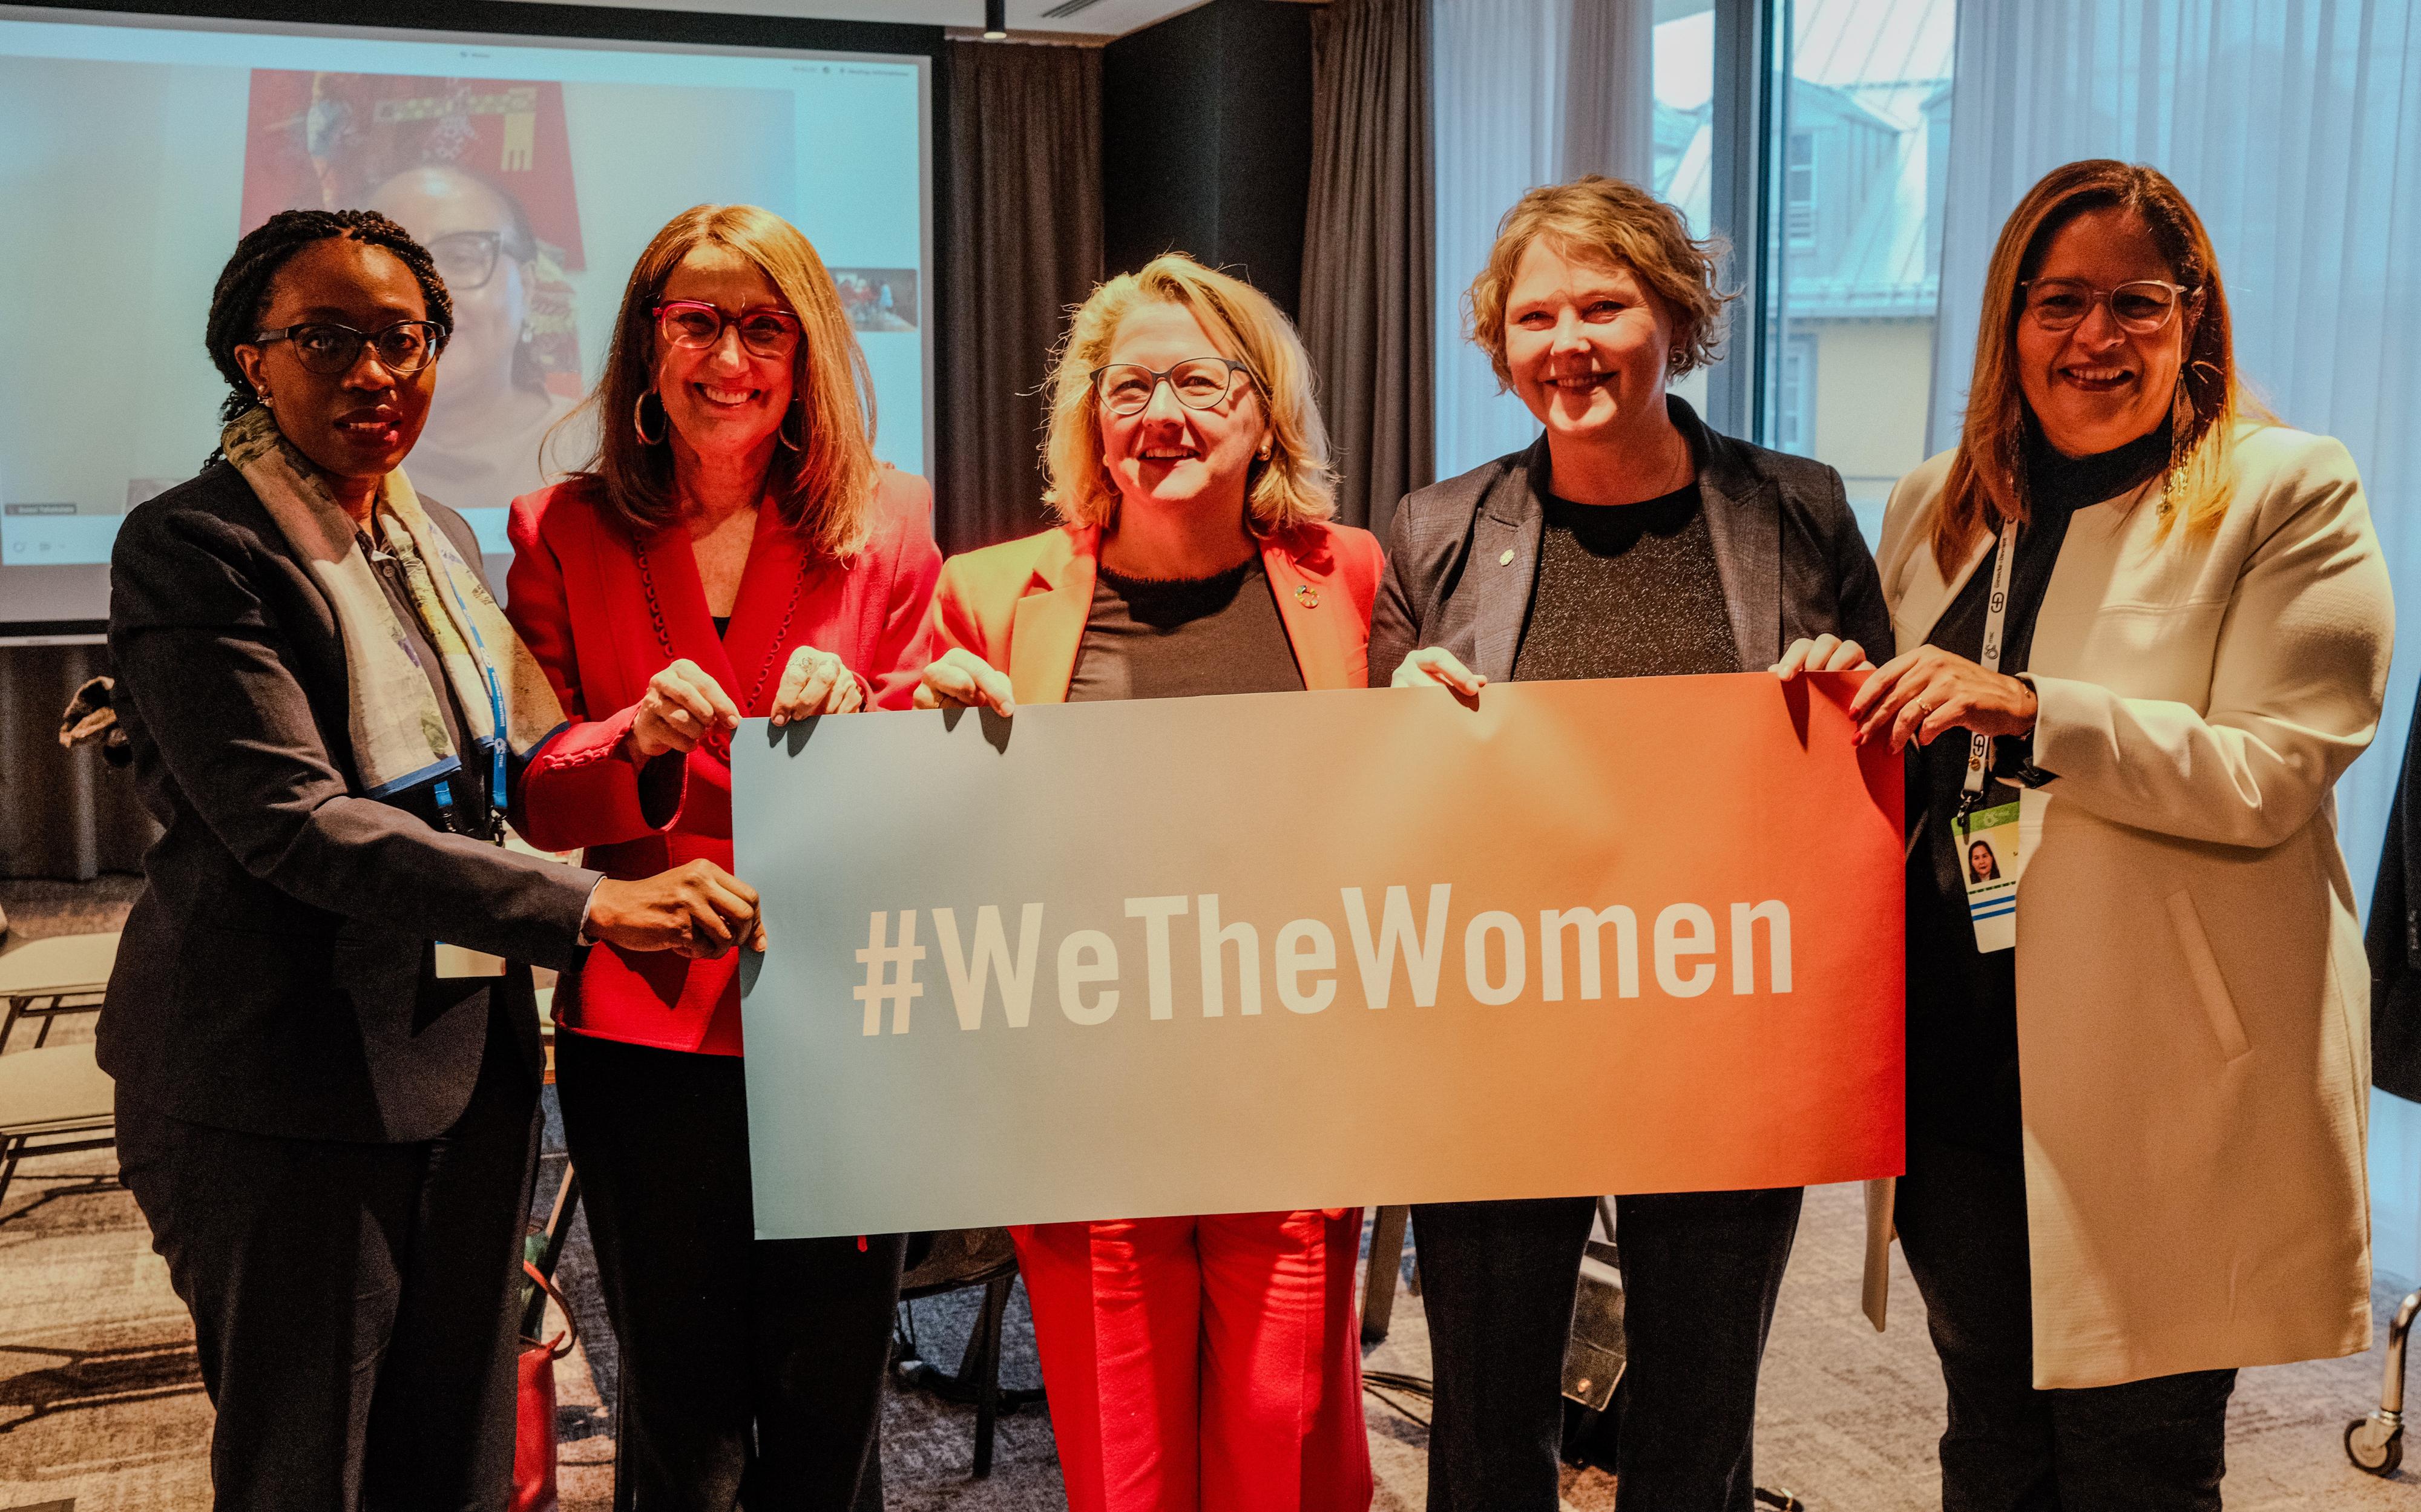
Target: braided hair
<point>241,296</point>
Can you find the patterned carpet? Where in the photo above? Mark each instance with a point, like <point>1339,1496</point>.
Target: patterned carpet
<point>100,1407</point>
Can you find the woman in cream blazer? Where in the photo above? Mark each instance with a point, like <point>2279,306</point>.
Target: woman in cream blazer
<point>2210,623</point>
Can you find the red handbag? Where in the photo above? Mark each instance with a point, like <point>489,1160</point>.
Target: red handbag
<point>533,1445</point>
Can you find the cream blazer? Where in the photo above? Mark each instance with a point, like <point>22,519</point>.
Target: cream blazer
<point>2194,1021</point>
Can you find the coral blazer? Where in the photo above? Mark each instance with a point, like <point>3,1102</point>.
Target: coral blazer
<point>603,614</point>
<point>1021,605</point>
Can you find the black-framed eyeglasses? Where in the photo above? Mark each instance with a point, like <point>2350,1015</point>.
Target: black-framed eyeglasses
<point>325,348</point>
<point>2142,305</point>
<point>467,260</point>
<point>764,329</point>
<point>1198,383</point>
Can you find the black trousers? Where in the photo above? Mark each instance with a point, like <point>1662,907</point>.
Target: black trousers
<point>353,1305</point>
<point>1700,1272</point>
<point>752,1370</point>
<point>2157,1445</point>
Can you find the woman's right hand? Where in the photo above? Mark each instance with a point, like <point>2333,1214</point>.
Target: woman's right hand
<point>961,679</point>
<point>682,705</point>
<point>696,909</point>
<point>1825,653</point>
<point>1436,666</point>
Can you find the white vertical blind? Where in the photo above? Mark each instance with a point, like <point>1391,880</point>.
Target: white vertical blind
<point>1526,92</point>
<point>2295,128</point>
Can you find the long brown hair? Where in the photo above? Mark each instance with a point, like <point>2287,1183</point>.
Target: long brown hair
<point>825,489</point>
<point>1986,483</point>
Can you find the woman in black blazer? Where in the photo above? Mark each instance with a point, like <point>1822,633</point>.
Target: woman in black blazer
<point>328,1121</point>
<point>1629,540</point>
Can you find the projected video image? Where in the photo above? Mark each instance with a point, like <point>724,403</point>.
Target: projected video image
<point>480,172</point>
<point>535,187</point>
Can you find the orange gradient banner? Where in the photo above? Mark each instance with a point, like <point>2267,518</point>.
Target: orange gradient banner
<point>1319,950</point>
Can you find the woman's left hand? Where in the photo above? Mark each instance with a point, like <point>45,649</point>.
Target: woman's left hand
<point>1924,694</point>
<point>816,682</point>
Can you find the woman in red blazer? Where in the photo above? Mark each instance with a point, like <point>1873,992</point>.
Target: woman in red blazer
<point>1208,1362</point>
<point>733,549</point>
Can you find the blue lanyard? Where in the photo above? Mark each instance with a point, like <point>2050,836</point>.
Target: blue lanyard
<point>495,708</point>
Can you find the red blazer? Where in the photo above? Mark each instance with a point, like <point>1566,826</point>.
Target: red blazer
<point>604,615</point>
<point>1021,605</point>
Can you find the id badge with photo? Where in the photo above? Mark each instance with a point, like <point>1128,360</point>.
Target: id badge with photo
<point>1988,864</point>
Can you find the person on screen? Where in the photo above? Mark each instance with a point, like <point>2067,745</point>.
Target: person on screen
<point>2100,1234</point>
<point>1628,541</point>
<point>732,549</point>
<point>329,1130</point>
<point>490,418</point>
<point>1208,1362</point>
<point>1982,866</point>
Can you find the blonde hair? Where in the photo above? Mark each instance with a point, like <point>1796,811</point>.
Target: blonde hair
<point>825,489</point>
<point>1608,219</point>
<point>1295,486</point>
<point>1986,483</point>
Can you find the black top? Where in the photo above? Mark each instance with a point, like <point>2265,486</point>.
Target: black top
<point>1462,555</point>
<point>1962,1005</point>
<point>1182,637</point>
<point>1627,590</point>
<point>721,625</point>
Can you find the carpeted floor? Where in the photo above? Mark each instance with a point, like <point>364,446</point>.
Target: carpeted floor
<point>101,1406</point>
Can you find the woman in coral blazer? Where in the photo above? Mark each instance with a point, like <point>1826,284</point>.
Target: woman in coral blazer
<point>734,549</point>
<point>1207,1362</point>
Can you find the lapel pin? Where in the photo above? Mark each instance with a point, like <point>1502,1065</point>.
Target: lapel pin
<point>1506,560</point>
<point>1307,595</point>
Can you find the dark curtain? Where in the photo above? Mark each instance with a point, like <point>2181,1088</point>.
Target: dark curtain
<point>1369,250</point>
<point>62,813</point>
<point>1024,245</point>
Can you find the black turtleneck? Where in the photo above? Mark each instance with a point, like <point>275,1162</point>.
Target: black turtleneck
<point>1962,1006</point>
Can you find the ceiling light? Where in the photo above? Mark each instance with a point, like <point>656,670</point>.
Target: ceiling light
<point>995,20</point>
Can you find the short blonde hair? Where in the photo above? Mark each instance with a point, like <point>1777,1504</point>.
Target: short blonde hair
<point>1293,488</point>
<point>1607,219</point>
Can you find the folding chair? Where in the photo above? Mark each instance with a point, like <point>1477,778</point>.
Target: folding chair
<point>45,978</point>
<point>53,1101</point>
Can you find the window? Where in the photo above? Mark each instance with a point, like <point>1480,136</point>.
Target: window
<point>1866,110</point>
<point>1799,193</point>
<point>1794,403</point>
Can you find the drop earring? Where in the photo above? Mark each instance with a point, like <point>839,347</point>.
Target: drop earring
<point>639,420</point>
<point>781,432</point>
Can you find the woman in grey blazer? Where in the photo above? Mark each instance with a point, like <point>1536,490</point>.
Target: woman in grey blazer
<point>1629,540</point>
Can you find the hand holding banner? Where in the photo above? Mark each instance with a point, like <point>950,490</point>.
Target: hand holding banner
<point>1319,950</point>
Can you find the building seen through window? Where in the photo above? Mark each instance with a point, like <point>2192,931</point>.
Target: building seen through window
<point>1868,124</point>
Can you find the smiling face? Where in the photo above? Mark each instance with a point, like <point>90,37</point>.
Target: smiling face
<point>357,425</point>
<point>435,204</point>
<point>725,400</point>
<point>1166,456</point>
<point>1589,347</point>
<point>2097,386</point>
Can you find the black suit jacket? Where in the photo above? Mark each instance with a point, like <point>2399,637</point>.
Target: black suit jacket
<point>1462,557</point>
<point>277,973</point>
<point>2394,940</point>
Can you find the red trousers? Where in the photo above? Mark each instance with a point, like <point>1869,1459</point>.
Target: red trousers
<point>1202,1364</point>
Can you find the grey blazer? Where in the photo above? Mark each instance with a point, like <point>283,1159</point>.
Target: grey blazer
<point>1462,557</point>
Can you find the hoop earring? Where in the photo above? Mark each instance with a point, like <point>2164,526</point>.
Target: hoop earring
<point>781,433</point>
<point>639,420</point>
